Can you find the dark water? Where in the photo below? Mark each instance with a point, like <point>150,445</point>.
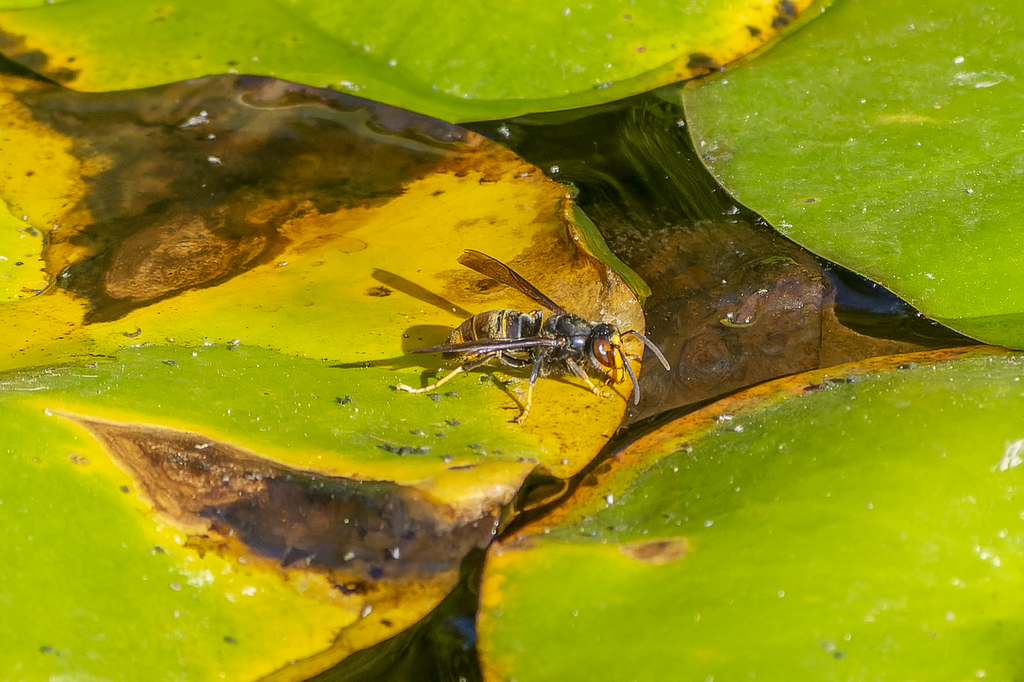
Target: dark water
<point>440,648</point>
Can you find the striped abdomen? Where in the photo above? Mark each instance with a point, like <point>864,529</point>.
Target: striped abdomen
<point>497,324</point>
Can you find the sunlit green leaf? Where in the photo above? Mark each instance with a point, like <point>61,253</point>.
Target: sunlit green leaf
<point>240,268</point>
<point>93,589</point>
<point>885,136</point>
<point>859,522</point>
<point>475,61</point>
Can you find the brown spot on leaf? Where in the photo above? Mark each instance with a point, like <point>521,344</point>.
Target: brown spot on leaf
<point>64,75</point>
<point>785,12</point>
<point>352,587</point>
<point>700,63</point>
<point>219,492</point>
<point>656,552</point>
<point>378,292</point>
<point>787,8</point>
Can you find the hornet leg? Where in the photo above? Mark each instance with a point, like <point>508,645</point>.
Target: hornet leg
<point>578,371</point>
<point>465,367</point>
<point>529,391</point>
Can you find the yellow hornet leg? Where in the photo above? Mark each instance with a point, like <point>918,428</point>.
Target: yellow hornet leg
<point>586,379</point>
<point>526,408</point>
<point>440,382</point>
<point>464,367</point>
<point>595,389</point>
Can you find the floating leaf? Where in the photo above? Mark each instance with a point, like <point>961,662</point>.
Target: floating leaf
<point>240,267</point>
<point>912,181</point>
<point>465,65</point>
<point>92,588</point>
<point>353,267</point>
<point>862,520</point>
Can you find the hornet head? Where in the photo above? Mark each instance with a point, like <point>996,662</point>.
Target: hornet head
<point>605,354</point>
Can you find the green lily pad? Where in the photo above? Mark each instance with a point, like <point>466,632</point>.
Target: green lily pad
<point>92,588</point>
<point>354,268</point>
<point>884,136</point>
<point>859,522</point>
<point>236,271</point>
<point>231,456</point>
<point>487,60</point>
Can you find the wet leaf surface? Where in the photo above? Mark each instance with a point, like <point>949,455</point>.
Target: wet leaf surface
<point>21,269</point>
<point>239,268</point>
<point>862,520</point>
<point>465,65</point>
<point>913,183</point>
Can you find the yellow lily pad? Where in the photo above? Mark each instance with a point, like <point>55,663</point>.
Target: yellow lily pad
<point>240,268</point>
<point>21,264</point>
<point>92,588</point>
<point>356,270</point>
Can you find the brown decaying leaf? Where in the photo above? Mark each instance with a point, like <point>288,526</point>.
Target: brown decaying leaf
<point>192,181</point>
<point>733,306</point>
<point>359,532</point>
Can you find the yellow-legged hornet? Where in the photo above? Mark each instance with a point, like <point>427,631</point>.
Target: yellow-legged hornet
<point>563,342</point>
